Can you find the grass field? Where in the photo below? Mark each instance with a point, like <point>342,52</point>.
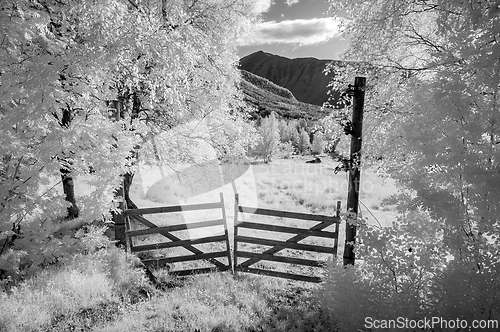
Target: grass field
<point>288,184</point>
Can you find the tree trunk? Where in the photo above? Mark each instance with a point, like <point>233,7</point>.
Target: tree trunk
<point>67,179</point>
<point>69,192</point>
<point>129,177</point>
<point>127,182</point>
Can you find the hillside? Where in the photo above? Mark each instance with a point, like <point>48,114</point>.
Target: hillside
<point>266,97</point>
<point>304,77</point>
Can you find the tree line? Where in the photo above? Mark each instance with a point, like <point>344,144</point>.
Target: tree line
<point>85,86</point>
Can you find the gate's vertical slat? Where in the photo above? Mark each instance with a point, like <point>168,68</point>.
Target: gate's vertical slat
<point>128,238</point>
<point>235,227</point>
<point>336,240</point>
<point>226,231</point>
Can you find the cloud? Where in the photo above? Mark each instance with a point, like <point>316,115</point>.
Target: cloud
<point>300,32</point>
<point>291,2</point>
<point>262,6</point>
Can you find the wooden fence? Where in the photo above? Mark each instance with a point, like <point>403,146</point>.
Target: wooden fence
<point>137,215</point>
<point>277,246</point>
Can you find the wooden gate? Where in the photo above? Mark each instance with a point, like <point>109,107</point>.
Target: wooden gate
<point>137,215</point>
<point>277,246</point>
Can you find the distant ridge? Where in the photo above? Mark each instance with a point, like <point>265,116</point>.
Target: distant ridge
<point>304,77</point>
<point>266,85</point>
<point>266,97</point>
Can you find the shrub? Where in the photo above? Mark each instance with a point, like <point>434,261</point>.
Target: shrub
<point>285,150</point>
<point>37,248</point>
<point>406,271</point>
<point>318,143</point>
<point>348,297</point>
<point>304,142</point>
<point>85,282</point>
<point>267,147</point>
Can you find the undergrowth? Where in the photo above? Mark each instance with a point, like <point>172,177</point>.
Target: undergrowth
<point>88,295</point>
<point>80,292</point>
<point>219,302</point>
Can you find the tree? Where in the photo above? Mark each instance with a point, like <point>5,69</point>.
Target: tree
<point>304,142</point>
<point>163,64</point>
<point>318,143</point>
<point>332,135</point>
<point>268,145</point>
<point>432,113</point>
<point>294,134</point>
<point>284,131</point>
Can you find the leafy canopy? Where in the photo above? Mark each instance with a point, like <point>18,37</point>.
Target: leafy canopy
<point>62,62</point>
<point>432,115</point>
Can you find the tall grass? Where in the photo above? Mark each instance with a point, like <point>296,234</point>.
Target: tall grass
<point>59,298</point>
<point>219,302</point>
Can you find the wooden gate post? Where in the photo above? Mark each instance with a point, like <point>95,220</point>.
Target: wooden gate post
<point>354,169</point>
<point>118,218</point>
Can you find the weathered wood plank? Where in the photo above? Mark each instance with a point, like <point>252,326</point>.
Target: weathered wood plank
<point>290,245</point>
<point>290,215</point>
<point>179,227</point>
<point>186,258</point>
<point>235,232</point>
<point>226,231</point>
<point>176,208</point>
<point>281,259</point>
<point>279,274</point>
<point>182,273</point>
<point>285,229</point>
<point>182,243</point>
<point>336,240</point>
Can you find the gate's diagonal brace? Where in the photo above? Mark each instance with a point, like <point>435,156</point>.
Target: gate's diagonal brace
<point>172,237</point>
<point>278,248</point>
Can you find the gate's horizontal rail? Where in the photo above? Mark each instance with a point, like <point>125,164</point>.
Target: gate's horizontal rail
<point>280,259</point>
<point>182,243</point>
<point>279,274</point>
<point>186,258</point>
<point>178,227</point>
<point>284,229</point>
<point>182,273</point>
<point>283,244</point>
<point>176,208</point>
<point>290,215</point>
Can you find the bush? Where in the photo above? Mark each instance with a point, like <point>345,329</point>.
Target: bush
<point>91,272</point>
<point>285,150</point>
<point>37,248</point>
<point>304,142</point>
<point>406,271</point>
<point>318,143</point>
<point>348,297</point>
<point>61,293</point>
<point>267,146</point>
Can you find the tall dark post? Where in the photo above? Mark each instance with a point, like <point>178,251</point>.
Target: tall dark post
<point>355,167</point>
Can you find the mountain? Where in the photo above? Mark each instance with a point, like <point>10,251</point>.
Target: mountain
<point>266,97</point>
<point>304,77</point>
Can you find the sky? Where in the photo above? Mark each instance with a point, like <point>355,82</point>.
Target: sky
<point>295,29</point>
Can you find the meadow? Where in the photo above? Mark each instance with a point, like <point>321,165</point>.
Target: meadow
<point>284,184</point>
<point>102,291</point>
